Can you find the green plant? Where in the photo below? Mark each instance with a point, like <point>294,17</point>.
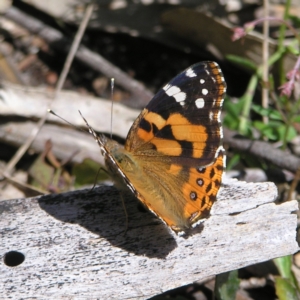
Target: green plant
<point>281,115</point>
<point>284,110</point>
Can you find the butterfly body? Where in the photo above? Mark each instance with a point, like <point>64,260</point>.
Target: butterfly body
<point>173,159</point>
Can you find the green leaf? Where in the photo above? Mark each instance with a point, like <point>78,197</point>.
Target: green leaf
<point>87,173</point>
<point>247,99</point>
<point>293,50</point>
<point>269,112</point>
<point>231,119</point>
<point>227,284</point>
<point>284,265</point>
<point>233,161</point>
<point>267,130</point>
<point>231,122</point>
<point>290,133</point>
<point>233,113</point>
<point>275,130</point>
<point>41,173</point>
<point>296,119</point>
<point>295,19</point>
<point>285,290</point>
<point>241,61</point>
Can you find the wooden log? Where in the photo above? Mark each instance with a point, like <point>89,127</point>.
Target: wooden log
<point>33,102</point>
<point>74,243</point>
<point>67,143</point>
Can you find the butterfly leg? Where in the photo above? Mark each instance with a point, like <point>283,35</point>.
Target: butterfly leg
<point>125,211</point>
<point>97,175</point>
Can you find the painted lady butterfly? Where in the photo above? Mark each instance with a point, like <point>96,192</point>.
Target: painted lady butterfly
<point>173,159</point>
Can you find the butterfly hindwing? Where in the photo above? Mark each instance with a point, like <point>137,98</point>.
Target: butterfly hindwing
<point>179,195</point>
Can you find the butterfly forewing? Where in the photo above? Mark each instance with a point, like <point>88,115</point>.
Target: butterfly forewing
<point>182,121</point>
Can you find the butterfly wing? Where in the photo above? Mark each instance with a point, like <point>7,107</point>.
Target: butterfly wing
<point>179,195</point>
<point>177,135</point>
<point>182,121</point>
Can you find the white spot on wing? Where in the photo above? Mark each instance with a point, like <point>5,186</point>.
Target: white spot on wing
<point>202,81</point>
<point>204,91</point>
<point>174,91</point>
<point>219,116</point>
<point>221,131</point>
<point>166,87</point>
<point>180,97</point>
<point>190,73</point>
<point>200,103</point>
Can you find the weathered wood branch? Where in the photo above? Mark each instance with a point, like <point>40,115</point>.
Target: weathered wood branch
<point>31,102</point>
<point>74,243</point>
<point>65,141</point>
<point>263,150</point>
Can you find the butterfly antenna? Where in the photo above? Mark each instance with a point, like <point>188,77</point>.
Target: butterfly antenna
<point>112,86</point>
<point>50,111</point>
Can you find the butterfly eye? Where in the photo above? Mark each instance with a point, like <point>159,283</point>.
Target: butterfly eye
<point>125,162</point>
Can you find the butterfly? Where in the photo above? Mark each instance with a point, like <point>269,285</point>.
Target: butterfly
<point>173,158</point>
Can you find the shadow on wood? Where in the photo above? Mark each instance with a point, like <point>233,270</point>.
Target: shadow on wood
<point>101,212</point>
<point>74,243</point>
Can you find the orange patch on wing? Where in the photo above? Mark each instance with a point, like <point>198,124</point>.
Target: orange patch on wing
<point>152,118</point>
<point>198,150</point>
<point>167,147</point>
<point>219,79</point>
<point>186,131</point>
<point>194,207</point>
<point>206,193</point>
<point>175,169</point>
<point>178,119</point>
<point>155,119</point>
<point>190,133</point>
<point>145,135</point>
<point>215,116</point>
